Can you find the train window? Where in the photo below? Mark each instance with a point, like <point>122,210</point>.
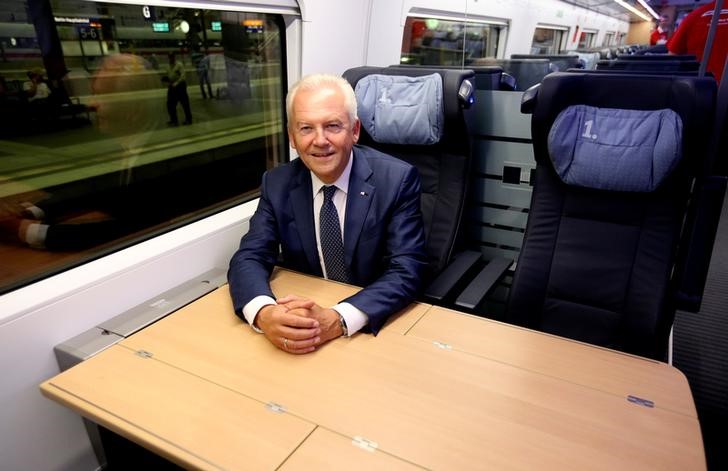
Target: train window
<point>120,122</point>
<point>587,39</point>
<point>608,39</point>
<point>433,41</point>
<point>548,40</point>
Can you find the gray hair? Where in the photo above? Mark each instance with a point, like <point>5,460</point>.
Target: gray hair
<point>316,81</point>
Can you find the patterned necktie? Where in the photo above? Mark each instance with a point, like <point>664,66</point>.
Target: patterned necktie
<point>332,246</point>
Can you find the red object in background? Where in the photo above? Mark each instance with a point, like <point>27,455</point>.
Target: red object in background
<point>658,36</point>
<point>692,33</point>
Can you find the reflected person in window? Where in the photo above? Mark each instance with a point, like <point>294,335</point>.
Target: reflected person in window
<point>177,91</point>
<point>36,88</point>
<point>80,214</point>
<point>377,200</point>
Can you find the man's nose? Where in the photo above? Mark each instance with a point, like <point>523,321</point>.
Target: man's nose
<point>319,138</point>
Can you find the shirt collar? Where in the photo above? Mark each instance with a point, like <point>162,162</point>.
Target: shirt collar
<point>342,183</point>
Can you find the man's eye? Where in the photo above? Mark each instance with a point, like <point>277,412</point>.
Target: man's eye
<point>305,129</point>
<point>334,127</point>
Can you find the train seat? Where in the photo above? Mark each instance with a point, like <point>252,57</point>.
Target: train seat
<point>657,57</point>
<point>588,58</point>
<point>558,61</point>
<point>442,155</point>
<point>648,65</point>
<point>605,243</point>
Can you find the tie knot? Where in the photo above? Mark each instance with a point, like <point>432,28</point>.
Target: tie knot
<point>329,192</point>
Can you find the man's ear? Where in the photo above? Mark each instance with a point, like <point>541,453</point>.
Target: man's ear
<point>356,130</point>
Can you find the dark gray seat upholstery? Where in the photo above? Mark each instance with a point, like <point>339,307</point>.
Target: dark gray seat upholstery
<point>649,65</point>
<point>444,169</point>
<point>559,62</point>
<point>604,266</point>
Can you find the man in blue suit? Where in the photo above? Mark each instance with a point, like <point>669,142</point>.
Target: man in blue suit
<point>377,201</point>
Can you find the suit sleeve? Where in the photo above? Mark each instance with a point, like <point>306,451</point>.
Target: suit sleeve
<point>252,264</point>
<point>400,283</point>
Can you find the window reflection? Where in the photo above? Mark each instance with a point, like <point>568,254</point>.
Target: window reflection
<point>547,41</point>
<point>586,39</point>
<point>431,41</point>
<point>119,122</point>
<point>608,39</point>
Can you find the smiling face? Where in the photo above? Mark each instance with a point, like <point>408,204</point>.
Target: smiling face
<point>321,131</point>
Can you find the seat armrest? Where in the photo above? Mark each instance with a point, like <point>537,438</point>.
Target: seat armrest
<point>483,283</point>
<point>528,100</point>
<point>448,278</point>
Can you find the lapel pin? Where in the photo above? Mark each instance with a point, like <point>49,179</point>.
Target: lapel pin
<point>363,193</point>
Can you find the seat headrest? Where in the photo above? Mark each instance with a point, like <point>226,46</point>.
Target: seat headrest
<point>615,149</point>
<point>401,110</point>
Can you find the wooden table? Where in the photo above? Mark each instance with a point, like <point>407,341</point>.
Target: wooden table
<point>436,389</point>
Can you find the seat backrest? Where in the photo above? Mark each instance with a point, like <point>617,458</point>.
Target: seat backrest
<point>679,73</point>
<point>600,255</point>
<point>657,57</point>
<point>589,58</point>
<point>444,165</point>
<point>559,62</point>
<point>666,65</point>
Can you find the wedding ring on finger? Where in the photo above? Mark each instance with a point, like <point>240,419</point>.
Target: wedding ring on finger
<point>285,343</point>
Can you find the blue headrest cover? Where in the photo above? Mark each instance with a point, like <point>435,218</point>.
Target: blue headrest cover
<point>401,110</point>
<point>611,149</point>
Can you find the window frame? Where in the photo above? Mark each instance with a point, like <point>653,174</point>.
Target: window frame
<point>592,35</point>
<point>609,38</point>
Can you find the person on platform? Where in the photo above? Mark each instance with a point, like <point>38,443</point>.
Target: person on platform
<point>334,187</point>
<point>202,66</point>
<point>35,88</point>
<point>692,34</point>
<point>177,91</point>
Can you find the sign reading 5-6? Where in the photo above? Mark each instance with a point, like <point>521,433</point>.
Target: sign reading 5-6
<point>88,33</point>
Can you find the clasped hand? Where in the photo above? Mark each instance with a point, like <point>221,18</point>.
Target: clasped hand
<point>298,325</point>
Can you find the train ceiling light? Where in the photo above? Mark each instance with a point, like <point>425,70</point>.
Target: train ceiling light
<point>649,9</point>
<point>632,9</point>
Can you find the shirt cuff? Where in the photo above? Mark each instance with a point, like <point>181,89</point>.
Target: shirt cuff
<point>354,318</point>
<point>250,310</point>
<point>36,234</point>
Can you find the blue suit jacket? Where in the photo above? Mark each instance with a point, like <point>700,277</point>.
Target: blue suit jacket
<point>383,234</point>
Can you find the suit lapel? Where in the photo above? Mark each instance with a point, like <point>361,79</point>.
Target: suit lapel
<point>302,204</point>
<point>358,201</point>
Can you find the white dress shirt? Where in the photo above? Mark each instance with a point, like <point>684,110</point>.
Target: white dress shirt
<point>355,318</point>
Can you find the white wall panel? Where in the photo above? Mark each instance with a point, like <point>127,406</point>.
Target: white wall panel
<point>333,35</point>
